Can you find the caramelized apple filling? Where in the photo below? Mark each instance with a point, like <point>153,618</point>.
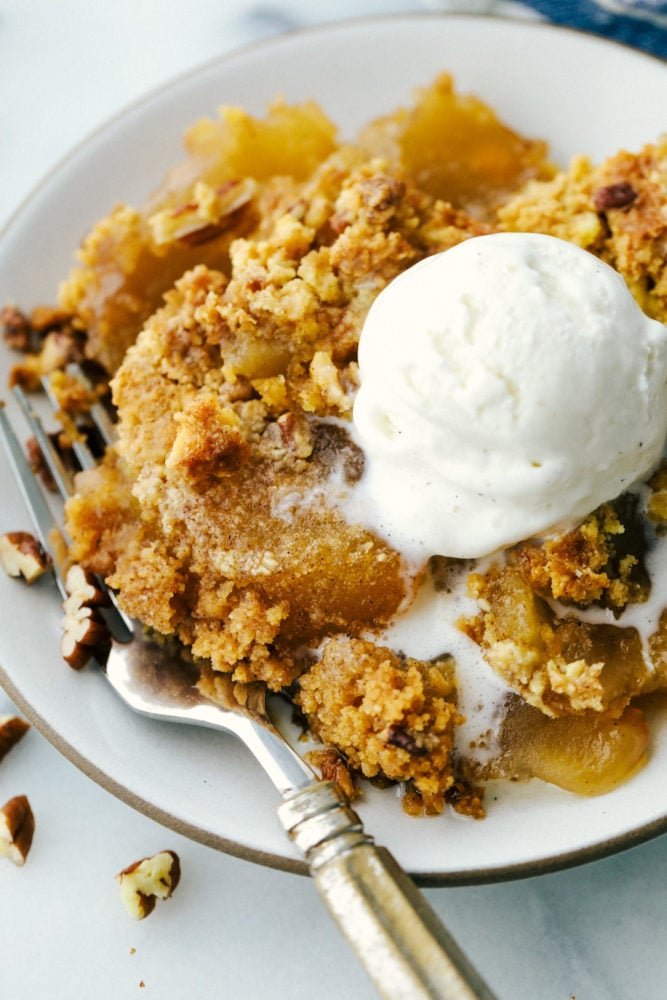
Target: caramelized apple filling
<point>588,754</point>
<point>561,665</point>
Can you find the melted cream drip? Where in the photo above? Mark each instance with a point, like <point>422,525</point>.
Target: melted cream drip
<point>427,630</point>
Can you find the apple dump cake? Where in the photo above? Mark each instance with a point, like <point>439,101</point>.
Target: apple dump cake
<point>268,481</point>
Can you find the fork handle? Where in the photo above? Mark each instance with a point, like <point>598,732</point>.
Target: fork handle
<point>400,941</point>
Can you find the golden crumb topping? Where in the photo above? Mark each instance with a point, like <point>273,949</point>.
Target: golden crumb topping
<point>601,560</point>
<point>225,314</point>
<point>389,716</point>
<point>225,440</point>
<point>616,210</point>
<point>559,664</point>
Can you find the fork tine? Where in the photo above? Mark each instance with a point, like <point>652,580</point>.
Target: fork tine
<point>103,423</point>
<point>42,519</point>
<point>82,452</point>
<point>97,413</point>
<point>54,463</point>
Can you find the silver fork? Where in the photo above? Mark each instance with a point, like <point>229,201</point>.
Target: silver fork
<point>400,941</point>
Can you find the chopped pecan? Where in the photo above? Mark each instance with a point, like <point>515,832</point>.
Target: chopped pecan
<point>61,346</point>
<point>333,767</point>
<point>381,195</point>
<point>22,555</point>
<point>207,214</point>
<point>27,333</point>
<point>17,826</point>
<point>465,799</point>
<point>618,195</point>
<point>86,635</point>
<point>295,434</point>
<point>397,736</point>
<point>144,882</point>
<point>17,330</point>
<point>12,729</point>
<point>82,584</point>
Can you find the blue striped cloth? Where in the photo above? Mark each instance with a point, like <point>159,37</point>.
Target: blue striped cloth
<point>640,23</point>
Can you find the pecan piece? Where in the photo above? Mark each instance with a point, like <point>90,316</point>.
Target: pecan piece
<point>17,330</point>
<point>333,767</point>
<point>17,826</point>
<point>618,195</point>
<point>60,345</point>
<point>12,729</point>
<point>399,737</point>
<point>208,214</point>
<point>295,434</point>
<point>144,882</point>
<point>22,555</point>
<point>86,635</point>
<point>381,195</point>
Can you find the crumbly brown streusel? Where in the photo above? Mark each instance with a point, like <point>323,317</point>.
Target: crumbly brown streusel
<point>228,311</point>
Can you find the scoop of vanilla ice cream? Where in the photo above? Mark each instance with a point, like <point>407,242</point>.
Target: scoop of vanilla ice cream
<point>508,387</point>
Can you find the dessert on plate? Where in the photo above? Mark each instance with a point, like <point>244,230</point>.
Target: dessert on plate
<point>349,465</point>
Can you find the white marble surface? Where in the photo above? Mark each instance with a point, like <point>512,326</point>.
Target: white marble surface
<point>235,930</point>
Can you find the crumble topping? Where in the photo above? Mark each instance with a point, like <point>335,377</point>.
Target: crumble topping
<point>226,312</point>
<point>225,404</point>
<point>387,715</point>
<point>558,664</point>
<point>615,209</point>
<point>599,561</point>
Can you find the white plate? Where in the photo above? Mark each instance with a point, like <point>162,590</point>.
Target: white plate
<point>582,94</point>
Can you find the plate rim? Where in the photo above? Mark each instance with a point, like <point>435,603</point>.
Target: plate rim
<point>204,66</point>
